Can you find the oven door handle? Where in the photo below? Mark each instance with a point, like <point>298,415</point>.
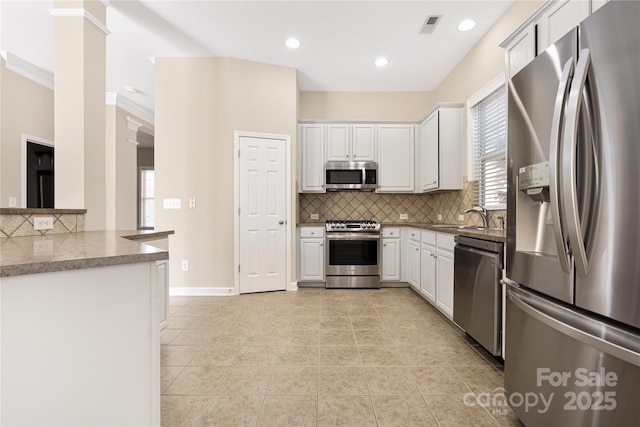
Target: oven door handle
<point>353,236</point>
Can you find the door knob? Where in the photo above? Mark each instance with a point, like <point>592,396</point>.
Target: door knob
<point>281,222</point>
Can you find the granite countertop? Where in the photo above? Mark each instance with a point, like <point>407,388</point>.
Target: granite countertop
<point>40,211</point>
<point>72,251</point>
<point>493,235</point>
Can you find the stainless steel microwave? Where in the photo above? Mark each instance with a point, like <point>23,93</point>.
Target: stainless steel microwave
<point>351,176</point>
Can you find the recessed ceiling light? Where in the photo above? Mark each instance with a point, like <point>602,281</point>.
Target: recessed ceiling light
<point>131,89</point>
<point>382,61</point>
<point>466,25</point>
<point>292,43</point>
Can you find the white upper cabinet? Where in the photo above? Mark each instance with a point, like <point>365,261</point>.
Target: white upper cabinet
<point>543,28</point>
<point>428,154</point>
<point>311,167</point>
<point>520,51</point>
<point>346,142</point>
<point>363,145</point>
<point>396,158</point>
<point>559,19</point>
<point>338,142</point>
<point>439,149</point>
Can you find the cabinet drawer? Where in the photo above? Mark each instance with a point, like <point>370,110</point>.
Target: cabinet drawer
<point>414,234</point>
<point>391,232</point>
<point>311,231</point>
<point>446,241</point>
<point>429,237</point>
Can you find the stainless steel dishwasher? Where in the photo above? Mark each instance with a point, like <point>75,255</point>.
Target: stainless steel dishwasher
<point>477,292</point>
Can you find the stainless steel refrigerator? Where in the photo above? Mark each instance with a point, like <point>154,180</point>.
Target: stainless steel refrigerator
<point>573,238</point>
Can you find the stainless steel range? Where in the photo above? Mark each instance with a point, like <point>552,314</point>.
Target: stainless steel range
<point>353,254</point>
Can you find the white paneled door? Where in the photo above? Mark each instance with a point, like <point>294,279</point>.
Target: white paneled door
<point>262,214</point>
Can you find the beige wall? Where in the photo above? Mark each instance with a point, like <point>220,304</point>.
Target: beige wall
<point>364,105</point>
<point>200,102</point>
<point>121,170</point>
<point>26,107</point>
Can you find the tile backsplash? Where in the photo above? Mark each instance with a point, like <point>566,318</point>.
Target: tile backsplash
<point>386,208</point>
<point>19,225</point>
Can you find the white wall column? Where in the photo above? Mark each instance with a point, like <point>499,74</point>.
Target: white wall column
<point>79,105</point>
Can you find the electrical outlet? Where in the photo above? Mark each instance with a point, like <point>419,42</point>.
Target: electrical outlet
<point>192,203</point>
<point>315,216</point>
<point>13,202</point>
<point>185,265</point>
<point>439,217</point>
<point>461,218</point>
<point>404,216</point>
<point>42,222</point>
<point>172,203</point>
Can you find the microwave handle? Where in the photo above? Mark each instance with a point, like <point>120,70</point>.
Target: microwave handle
<point>364,176</point>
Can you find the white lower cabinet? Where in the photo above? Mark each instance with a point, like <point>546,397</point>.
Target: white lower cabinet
<point>444,273</point>
<point>413,276</point>
<point>390,255</point>
<point>428,266</point>
<point>162,289</point>
<point>311,254</point>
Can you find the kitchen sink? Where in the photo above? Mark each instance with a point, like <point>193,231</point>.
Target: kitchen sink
<point>464,227</point>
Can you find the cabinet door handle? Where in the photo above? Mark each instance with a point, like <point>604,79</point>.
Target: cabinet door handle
<point>384,244</point>
<point>312,233</point>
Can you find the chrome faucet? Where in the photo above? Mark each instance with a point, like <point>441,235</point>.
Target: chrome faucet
<point>482,212</point>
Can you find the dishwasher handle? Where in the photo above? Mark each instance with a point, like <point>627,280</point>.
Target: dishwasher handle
<point>487,245</point>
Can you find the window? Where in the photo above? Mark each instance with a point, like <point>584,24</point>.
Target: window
<point>487,118</point>
<point>147,216</point>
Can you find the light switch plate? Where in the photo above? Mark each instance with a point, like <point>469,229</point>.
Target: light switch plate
<point>315,216</point>
<point>42,222</point>
<point>404,216</point>
<point>172,203</point>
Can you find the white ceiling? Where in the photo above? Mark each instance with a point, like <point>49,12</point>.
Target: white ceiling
<point>340,39</point>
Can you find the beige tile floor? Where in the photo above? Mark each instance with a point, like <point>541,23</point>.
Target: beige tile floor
<point>320,357</point>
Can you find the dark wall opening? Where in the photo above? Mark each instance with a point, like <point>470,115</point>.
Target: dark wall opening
<point>40,184</point>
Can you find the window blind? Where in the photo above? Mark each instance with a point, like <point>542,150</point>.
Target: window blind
<point>489,133</point>
<point>147,201</point>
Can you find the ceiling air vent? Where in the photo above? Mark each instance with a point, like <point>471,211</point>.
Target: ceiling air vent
<point>430,24</point>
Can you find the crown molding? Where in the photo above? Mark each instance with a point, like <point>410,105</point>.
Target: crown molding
<point>27,69</point>
<point>105,3</point>
<point>65,13</point>
<point>114,98</point>
<point>132,124</point>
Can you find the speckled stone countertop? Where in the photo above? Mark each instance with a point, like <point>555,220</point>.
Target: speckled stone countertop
<point>40,211</point>
<point>492,235</point>
<point>73,251</point>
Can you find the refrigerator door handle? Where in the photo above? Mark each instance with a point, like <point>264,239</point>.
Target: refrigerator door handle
<point>569,174</point>
<point>618,343</point>
<point>554,150</point>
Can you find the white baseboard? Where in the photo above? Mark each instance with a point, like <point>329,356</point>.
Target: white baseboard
<point>293,286</point>
<point>200,291</point>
